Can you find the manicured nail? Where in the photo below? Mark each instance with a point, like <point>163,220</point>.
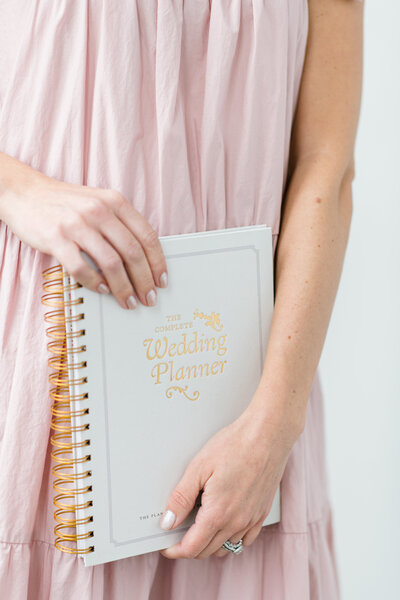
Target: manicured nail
<point>131,302</point>
<point>163,280</point>
<point>103,288</point>
<point>167,520</point>
<point>151,298</point>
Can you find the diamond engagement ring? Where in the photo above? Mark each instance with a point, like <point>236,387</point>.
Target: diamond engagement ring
<point>235,547</point>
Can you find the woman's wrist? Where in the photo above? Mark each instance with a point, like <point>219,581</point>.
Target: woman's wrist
<point>273,409</point>
<point>14,175</point>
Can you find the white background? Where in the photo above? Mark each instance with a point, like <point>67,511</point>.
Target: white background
<point>360,364</point>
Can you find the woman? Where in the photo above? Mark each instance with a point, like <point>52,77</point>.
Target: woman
<point>123,121</point>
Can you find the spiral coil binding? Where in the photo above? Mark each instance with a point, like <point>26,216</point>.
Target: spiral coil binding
<point>70,477</point>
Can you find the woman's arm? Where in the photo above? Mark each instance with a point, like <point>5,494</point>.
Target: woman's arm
<point>62,219</point>
<point>317,208</point>
<point>240,467</point>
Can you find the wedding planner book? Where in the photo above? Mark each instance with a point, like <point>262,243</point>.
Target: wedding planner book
<point>137,393</point>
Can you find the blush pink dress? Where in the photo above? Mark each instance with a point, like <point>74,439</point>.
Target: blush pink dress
<point>186,107</point>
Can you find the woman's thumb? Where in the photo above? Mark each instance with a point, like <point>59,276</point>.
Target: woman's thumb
<point>181,500</point>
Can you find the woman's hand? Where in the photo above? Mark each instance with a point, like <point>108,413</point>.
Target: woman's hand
<point>61,219</point>
<point>239,470</point>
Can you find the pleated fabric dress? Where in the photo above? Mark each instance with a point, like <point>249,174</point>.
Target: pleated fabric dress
<point>186,107</point>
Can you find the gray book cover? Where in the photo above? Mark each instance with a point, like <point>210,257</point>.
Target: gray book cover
<point>161,380</point>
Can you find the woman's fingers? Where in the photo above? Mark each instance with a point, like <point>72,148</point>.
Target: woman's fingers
<point>111,265</point>
<point>133,257</point>
<point>143,232</point>
<point>252,533</point>
<point>248,534</point>
<point>74,234</point>
<point>207,534</point>
<point>70,256</point>
<point>135,241</point>
<point>196,539</point>
<point>215,546</point>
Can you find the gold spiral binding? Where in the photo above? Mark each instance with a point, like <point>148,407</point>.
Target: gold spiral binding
<point>69,484</point>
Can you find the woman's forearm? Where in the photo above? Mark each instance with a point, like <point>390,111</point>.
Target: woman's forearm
<point>309,261</point>
<point>317,209</point>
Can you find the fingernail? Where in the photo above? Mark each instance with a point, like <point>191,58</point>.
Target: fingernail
<point>167,520</point>
<point>103,288</point>
<point>131,302</point>
<point>151,298</point>
<point>163,280</point>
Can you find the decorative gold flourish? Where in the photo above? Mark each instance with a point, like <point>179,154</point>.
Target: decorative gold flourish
<point>171,389</point>
<point>212,320</point>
